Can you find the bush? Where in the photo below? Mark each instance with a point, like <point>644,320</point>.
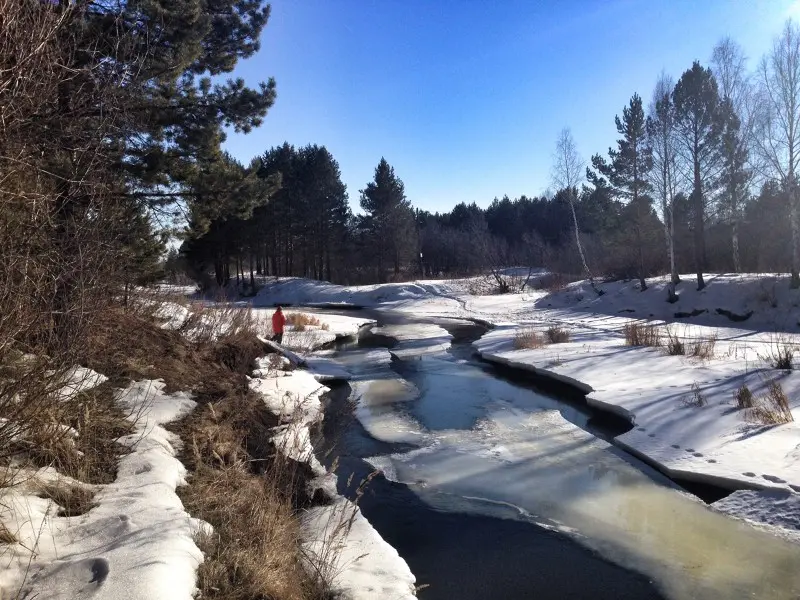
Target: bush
<point>696,398</point>
<point>556,335</point>
<point>300,321</point>
<point>642,334</point>
<point>704,349</point>
<point>744,398</point>
<point>772,408</point>
<point>780,353</point>
<point>528,339</point>
<point>675,346</point>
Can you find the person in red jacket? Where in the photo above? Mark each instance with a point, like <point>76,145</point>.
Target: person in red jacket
<point>278,323</point>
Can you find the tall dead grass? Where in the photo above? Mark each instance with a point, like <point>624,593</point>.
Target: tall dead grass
<point>642,334</point>
<point>772,407</point>
<point>301,321</point>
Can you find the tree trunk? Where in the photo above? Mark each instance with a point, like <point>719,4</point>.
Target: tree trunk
<point>580,246</point>
<point>737,265</point>
<point>699,236</point>
<point>795,218</point>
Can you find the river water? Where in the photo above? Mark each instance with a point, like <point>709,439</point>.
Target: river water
<point>492,489</point>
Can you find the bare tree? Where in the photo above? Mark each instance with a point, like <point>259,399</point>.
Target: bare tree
<point>729,65</point>
<point>661,136</point>
<point>777,139</point>
<point>568,170</point>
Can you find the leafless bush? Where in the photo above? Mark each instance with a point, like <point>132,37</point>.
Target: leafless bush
<point>703,348</point>
<point>780,352</point>
<point>675,346</point>
<point>528,339</point>
<point>557,335</point>
<point>696,398</point>
<point>771,408</point>
<point>642,334</point>
<point>744,398</point>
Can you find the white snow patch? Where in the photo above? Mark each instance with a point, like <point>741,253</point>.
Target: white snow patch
<point>136,543</point>
<point>365,566</point>
<point>778,511</point>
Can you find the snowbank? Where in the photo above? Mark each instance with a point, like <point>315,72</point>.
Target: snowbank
<point>364,566</point>
<point>359,562</point>
<point>136,543</point>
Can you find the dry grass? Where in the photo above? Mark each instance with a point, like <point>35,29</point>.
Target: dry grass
<point>528,339</point>
<point>301,321</point>
<point>675,346</point>
<point>703,349</point>
<point>771,408</point>
<point>249,493</point>
<point>744,398</point>
<point>642,334</point>
<point>780,352</point>
<point>6,537</point>
<point>79,436</point>
<point>557,335</point>
<point>696,398</point>
<point>73,499</point>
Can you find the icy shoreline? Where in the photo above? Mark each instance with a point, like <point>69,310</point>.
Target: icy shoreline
<point>337,538</point>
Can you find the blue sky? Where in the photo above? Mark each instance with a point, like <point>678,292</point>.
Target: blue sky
<point>465,98</point>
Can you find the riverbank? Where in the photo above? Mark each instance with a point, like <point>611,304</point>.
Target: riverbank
<point>682,408</point>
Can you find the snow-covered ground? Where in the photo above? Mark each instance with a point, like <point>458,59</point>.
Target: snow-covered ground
<point>337,538</point>
<point>113,546</point>
<point>749,316</point>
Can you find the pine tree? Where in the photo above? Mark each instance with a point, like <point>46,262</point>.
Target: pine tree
<point>389,220</point>
<point>627,172</point>
<point>698,129</point>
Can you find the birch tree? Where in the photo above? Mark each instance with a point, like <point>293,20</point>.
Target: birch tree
<point>661,137</point>
<point>568,170</point>
<point>777,138</point>
<point>729,65</point>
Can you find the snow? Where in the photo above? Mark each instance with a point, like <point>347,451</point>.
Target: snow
<point>776,511</point>
<point>136,543</point>
<point>365,566</point>
<point>713,443</point>
<point>417,339</point>
<point>338,535</point>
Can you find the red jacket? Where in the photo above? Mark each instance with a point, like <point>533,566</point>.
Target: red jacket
<point>278,321</point>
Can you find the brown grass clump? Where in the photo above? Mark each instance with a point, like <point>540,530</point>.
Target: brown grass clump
<point>704,348</point>
<point>73,500</point>
<point>642,334</point>
<point>79,436</point>
<point>557,335</point>
<point>675,346</point>
<point>528,339</point>
<point>249,493</point>
<point>780,352</point>
<point>772,408</point>
<point>6,537</point>
<point>696,398</point>
<point>744,398</point>
<point>301,321</point>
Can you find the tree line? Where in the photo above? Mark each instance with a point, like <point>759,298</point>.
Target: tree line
<point>702,177</point>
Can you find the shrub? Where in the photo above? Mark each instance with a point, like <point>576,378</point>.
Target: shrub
<point>675,346</point>
<point>704,349</point>
<point>528,339</point>
<point>642,334</point>
<point>772,408</point>
<point>780,353</point>
<point>300,321</point>
<point>556,335</point>
<point>696,398</point>
<point>743,397</point>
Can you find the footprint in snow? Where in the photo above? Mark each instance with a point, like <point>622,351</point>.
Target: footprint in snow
<point>690,450</point>
<point>651,435</point>
<point>773,479</point>
<point>697,454</point>
<point>641,429</point>
<point>749,474</point>
<point>676,446</point>
<point>711,460</point>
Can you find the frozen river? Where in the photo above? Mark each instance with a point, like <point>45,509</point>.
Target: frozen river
<point>492,489</point>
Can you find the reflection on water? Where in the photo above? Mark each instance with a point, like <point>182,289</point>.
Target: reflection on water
<point>485,446</point>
